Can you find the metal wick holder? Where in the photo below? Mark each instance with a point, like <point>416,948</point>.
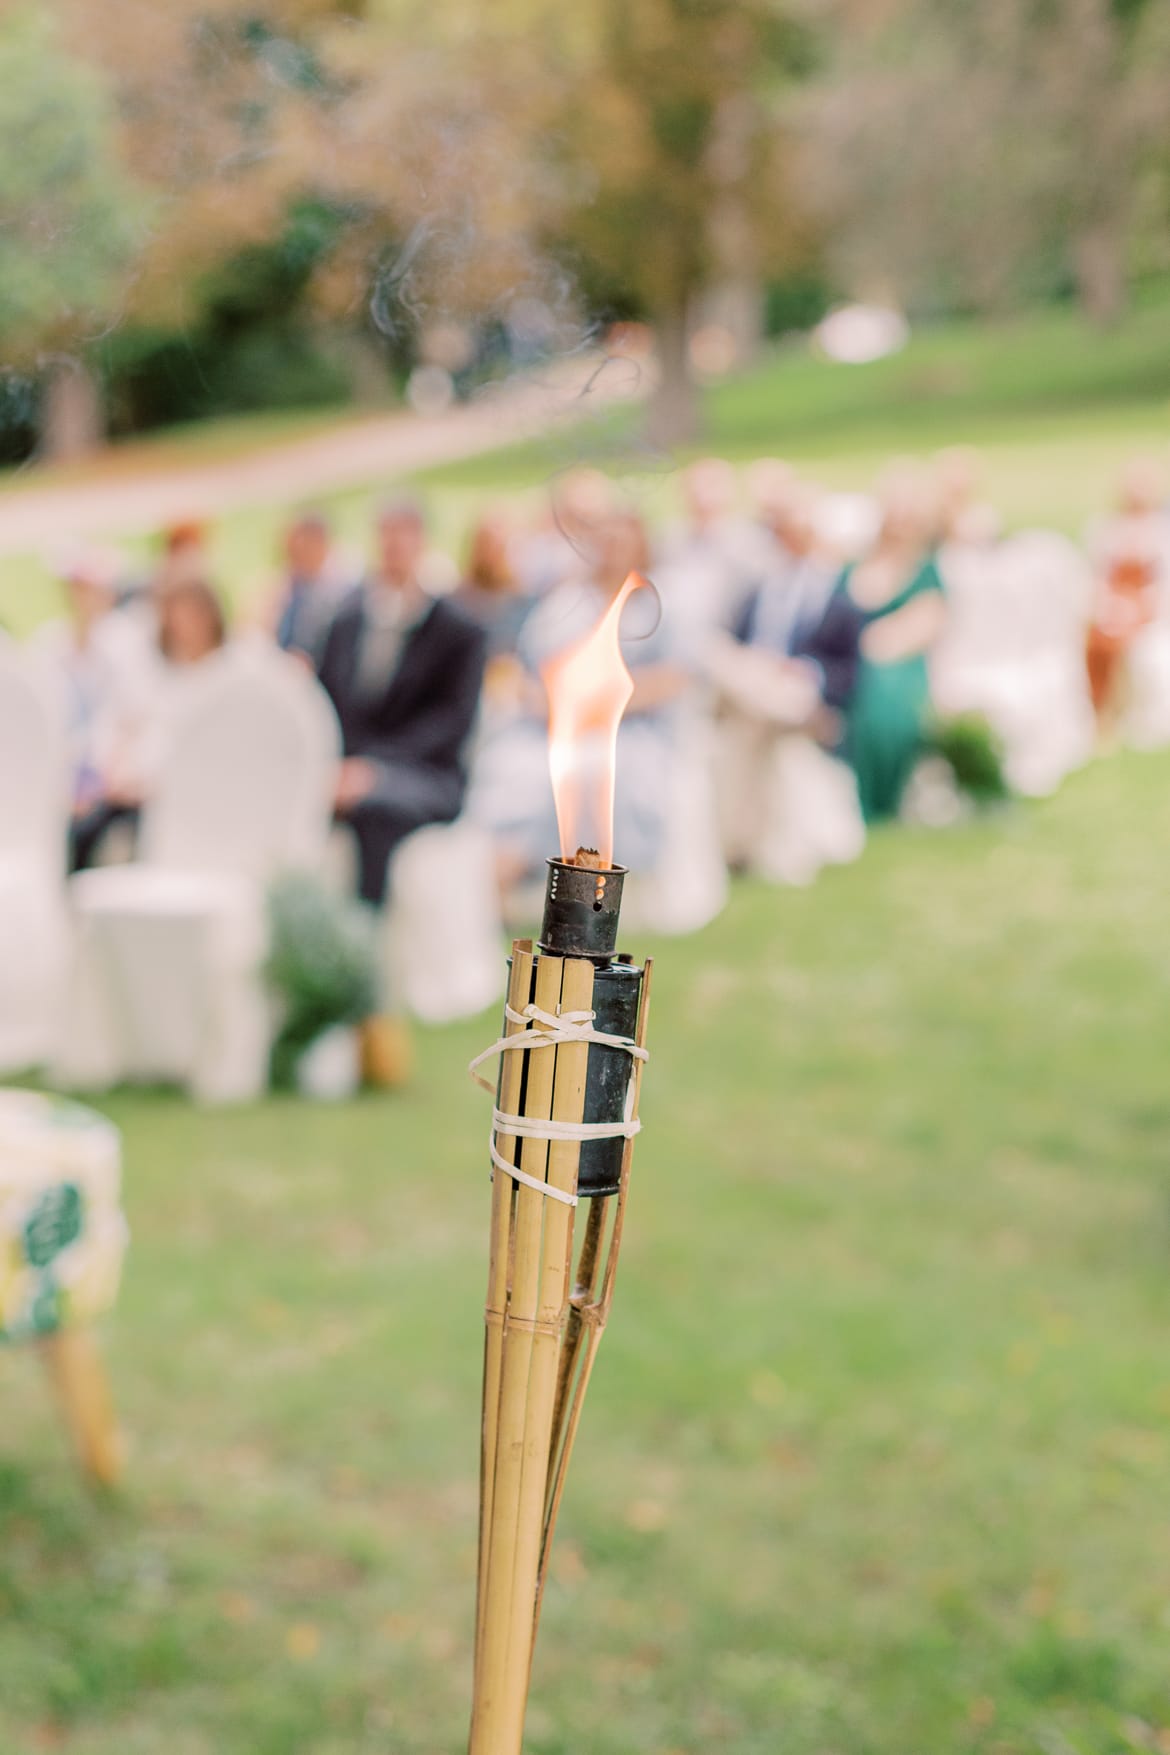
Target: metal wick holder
<point>581,909</point>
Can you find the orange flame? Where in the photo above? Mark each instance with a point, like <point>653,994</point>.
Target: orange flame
<point>589,688</point>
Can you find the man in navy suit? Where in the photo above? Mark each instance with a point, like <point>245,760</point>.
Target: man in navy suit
<point>795,615</point>
<point>403,670</point>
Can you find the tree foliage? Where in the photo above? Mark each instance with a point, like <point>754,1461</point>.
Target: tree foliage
<point>219,104</point>
<point>978,156</point>
<point>389,168</point>
<point>675,143</point>
<point>70,215</point>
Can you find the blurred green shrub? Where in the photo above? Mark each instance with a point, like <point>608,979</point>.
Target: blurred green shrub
<point>255,345</point>
<point>970,746</point>
<point>320,966</point>
<point>796,301</point>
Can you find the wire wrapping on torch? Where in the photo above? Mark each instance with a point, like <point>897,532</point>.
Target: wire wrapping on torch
<point>546,1030</point>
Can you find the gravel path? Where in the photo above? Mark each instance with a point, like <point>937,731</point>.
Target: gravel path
<point>380,448</point>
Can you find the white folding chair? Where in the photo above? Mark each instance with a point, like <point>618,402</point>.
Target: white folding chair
<point>34,818</point>
<point>167,977</point>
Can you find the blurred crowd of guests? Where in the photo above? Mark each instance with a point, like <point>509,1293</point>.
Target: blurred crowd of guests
<point>784,617</point>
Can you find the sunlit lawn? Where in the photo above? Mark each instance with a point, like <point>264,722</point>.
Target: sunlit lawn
<point>876,1456</point>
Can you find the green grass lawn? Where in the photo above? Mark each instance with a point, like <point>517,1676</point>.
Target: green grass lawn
<point>876,1454</point>
<point>1055,405</point>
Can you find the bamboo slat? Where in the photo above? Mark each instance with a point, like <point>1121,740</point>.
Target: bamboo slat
<point>508,1098</point>
<point>592,1318</point>
<point>568,1104</point>
<point>496,1661</point>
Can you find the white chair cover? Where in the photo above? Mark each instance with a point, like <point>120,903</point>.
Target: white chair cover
<point>689,887</point>
<point>248,781</point>
<point>167,976</point>
<point>811,813</point>
<point>443,944</point>
<point>1146,721</point>
<point>1014,651</point>
<point>34,817</point>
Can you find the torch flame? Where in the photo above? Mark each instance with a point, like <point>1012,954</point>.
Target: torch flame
<point>589,688</point>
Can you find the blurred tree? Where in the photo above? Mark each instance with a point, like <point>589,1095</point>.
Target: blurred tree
<point>225,111</point>
<point>465,154</point>
<point>646,146</point>
<point>436,156</point>
<point>254,343</point>
<point>975,156</point>
<point>676,150</point>
<point>72,221</point>
<point>219,105</point>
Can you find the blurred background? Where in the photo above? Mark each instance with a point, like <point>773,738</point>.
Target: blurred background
<point>351,356</point>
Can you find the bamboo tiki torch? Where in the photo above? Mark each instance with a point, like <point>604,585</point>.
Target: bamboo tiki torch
<point>566,1113</point>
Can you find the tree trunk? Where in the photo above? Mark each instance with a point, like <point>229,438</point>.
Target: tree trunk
<point>72,417</point>
<point>736,306</point>
<point>673,414</point>
<point>1100,273</point>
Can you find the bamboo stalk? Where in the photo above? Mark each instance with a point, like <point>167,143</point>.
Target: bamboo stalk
<point>493,1690</point>
<point>508,1093</point>
<point>584,1286</point>
<point>568,1104</point>
<point>592,1318</point>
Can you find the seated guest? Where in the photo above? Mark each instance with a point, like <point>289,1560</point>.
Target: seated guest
<point>191,625</point>
<point>191,629</point>
<point>780,681</point>
<point>792,595</point>
<point>306,596</point>
<point>94,664</point>
<point>511,791</point>
<point>492,595</point>
<point>192,632</point>
<point>767,668</point>
<point>1131,559</point>
<point>490,591</point>
<point>709,561</point>
<point>185,556</point>
<point>558,549</point>
<point>403,671</point>
<point>770,481</point>
<point>964,515</point>
<point>181,555</point>
<point>884,616</point>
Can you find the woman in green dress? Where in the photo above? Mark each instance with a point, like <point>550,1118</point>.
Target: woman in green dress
<point>896,597</point>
